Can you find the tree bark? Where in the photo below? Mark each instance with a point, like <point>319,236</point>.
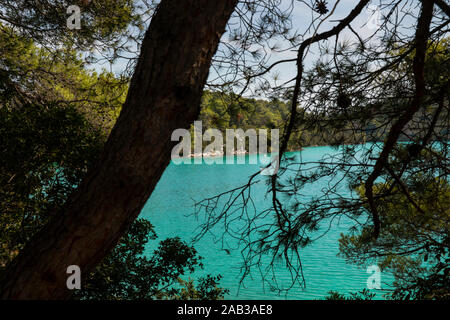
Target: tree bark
<point>164,95</point>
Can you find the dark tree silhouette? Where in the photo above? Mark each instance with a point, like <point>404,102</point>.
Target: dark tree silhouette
<point>164,95</point>
<point>380,92</point>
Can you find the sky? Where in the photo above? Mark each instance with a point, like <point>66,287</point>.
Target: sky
<point>301,20</point>
<point>364,25</point>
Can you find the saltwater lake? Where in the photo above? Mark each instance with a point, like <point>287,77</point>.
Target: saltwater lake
<point>170,210</point>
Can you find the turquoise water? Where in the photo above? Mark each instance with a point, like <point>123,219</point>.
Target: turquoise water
<point>170,210</point>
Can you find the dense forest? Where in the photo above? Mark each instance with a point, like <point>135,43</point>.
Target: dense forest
<point>227,111</point>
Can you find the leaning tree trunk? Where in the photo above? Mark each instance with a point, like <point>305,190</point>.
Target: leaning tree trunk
<point>164,95</point>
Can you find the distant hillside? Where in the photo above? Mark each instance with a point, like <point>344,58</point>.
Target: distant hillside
<point>226,111</point>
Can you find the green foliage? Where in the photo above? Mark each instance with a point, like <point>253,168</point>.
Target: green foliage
<point>412,194</point>
<point>55,116</point>
<point>207,289</point>
<point>364,294</point>
<point>127,274</point>
<point>104,24</point>
<point>31,74</point>
<point>227,111</point>
<point>46,150</point>
<point>415,236</point>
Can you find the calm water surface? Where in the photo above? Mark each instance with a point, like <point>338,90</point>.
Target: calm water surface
<point>170,210</point>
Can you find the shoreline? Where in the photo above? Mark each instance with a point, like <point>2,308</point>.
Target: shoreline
<point>244,152</point>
